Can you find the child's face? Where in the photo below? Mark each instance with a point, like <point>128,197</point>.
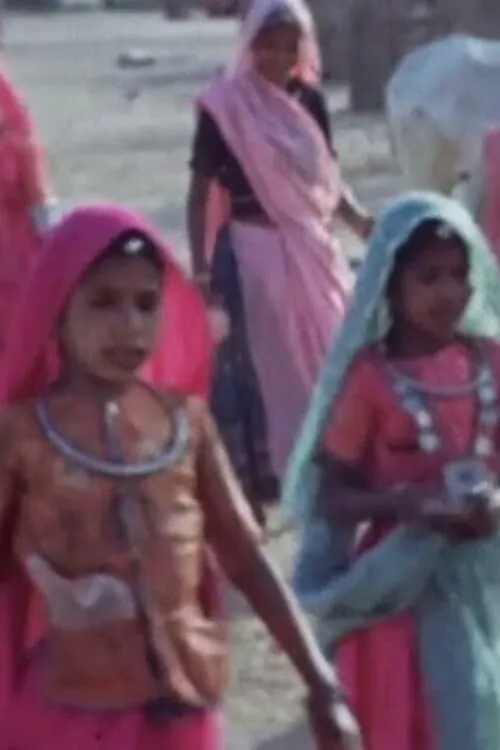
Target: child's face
<point>275,51</point>
<point>110,324</point>
<point>433,289</point>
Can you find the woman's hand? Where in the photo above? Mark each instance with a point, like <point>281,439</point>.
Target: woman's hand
<point>365,226</point>
<point>220,324</point>
<point>332,723</point>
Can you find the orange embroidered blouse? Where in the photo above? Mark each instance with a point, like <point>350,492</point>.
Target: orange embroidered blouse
<point>64,537</point>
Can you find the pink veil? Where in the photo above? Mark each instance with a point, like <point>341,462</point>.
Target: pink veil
<point>308,67</point>
<point>181,360</point>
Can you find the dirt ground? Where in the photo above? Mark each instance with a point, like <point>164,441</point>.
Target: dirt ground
<point>124,134</point>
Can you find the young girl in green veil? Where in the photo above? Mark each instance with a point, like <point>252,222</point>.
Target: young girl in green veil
<point>395,481</point>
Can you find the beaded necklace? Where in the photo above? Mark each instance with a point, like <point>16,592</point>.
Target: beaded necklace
<point>414,394</point>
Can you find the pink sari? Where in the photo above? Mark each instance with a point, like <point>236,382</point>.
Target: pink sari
<point>296,282</point>
<point>23,188</point>
<point>490,208</point>
<point>181,360</point>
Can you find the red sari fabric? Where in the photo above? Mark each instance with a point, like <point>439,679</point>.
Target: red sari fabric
<point>22,187</point>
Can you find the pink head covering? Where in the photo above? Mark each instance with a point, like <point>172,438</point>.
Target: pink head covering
<point>308,67</point>
<point>183,356</point>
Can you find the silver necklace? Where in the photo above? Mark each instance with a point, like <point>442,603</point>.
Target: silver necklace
<point>116,468</point>
<point>413,396</point>
<point>438,390</point>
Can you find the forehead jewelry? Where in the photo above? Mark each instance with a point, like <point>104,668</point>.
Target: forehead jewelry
<point>444,232</point>
<point>134,246</point>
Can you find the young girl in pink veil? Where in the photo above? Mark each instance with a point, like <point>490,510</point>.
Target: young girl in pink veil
<point>263,145</point>
<point>115,493</point>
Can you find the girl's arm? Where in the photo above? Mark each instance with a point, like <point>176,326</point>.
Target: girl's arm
<point>235,538</point>
<point>354,427</point>
<point>345,500</point>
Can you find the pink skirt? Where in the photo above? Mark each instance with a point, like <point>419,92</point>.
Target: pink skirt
<point>29,722</point>
<point>33,724</point>
<point>380,669</point>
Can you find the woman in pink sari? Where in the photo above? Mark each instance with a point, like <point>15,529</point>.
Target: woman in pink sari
<point>263,145</point>
<point>25,199</point>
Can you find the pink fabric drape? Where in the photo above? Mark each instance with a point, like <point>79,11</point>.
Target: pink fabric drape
<point>490,208</point>
<point>23,185</point>
<point>182,360</point>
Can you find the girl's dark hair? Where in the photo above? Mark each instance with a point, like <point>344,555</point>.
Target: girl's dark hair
<point>132,244</point>
<point>418,240</point>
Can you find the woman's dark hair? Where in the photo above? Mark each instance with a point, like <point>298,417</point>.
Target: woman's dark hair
<point>132,244</point>
<point>418,240</point>
<point>279,17</point>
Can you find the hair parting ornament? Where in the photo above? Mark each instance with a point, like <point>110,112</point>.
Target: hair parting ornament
<point>133,244</point>
<point>444,231</point>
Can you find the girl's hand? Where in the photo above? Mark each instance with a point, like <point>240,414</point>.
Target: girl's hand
<point>333,724</point>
